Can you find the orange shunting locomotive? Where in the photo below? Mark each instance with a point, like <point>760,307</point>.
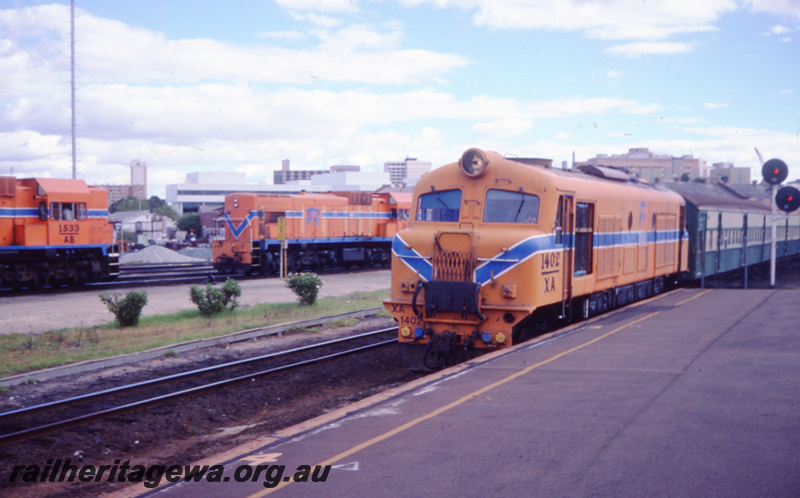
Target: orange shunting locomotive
<point>54,231</point>
<point>320,230</point>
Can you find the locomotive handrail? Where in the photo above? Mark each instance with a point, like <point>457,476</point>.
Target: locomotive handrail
<point>420,285</point>
<point>415,257</point>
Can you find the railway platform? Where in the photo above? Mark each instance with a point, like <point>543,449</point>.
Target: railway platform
<point>691,393</point>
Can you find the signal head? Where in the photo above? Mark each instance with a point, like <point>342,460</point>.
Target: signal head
<point>473,162</point>
<point>775,171</point>
<point>788,199</point>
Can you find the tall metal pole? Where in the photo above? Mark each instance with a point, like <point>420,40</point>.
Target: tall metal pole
<point>773,250</point>
<point>72,81</point>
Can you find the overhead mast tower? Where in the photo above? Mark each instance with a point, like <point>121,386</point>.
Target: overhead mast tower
<point>72,81</point>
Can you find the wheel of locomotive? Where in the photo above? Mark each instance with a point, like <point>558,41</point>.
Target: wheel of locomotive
<point>268,265</point>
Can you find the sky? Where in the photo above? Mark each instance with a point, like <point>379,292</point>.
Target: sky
<point>240,85</point>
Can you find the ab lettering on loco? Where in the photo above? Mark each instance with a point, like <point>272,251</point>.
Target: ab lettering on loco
<point>69,230</point>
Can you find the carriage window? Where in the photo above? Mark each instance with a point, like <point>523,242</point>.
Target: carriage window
<point>439,206</point>
<point>584,218</point>
<point>503,206</point>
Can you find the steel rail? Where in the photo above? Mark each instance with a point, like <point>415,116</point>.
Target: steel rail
<point>63,424</point>
<point>183,375</point>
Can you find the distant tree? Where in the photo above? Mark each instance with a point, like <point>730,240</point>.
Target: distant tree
<point>166,211</point>
<point>128,204</point>
<point>153,204</point>
<point>190,221</point>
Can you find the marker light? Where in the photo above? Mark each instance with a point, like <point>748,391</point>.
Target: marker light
<point>419,333</point>
<point>486,337</point>
<point>774,171</point>
<point>500,338</point>
<point>788,199</point>
<point>405,331</point>
<point>473,162</point>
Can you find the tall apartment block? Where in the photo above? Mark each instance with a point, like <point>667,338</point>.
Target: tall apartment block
<point>139,179</point>
<point>399,171</point>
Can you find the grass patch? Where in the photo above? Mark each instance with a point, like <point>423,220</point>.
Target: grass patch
<point>21,353</point>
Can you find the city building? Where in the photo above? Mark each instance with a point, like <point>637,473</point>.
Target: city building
<point>652,168</point>
<point>148,227</point>
<point>347,181</point>
<point>137,188</point>
<point>209,189</point>
<point>139,179</point>
<point>117,192</point>
<point>401,171</point>
<point>286,174</point>
<point>728,173</point>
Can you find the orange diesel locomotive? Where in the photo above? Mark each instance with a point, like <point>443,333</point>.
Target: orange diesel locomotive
<point>321,230</point>
<point>499,247</point>
<point>54,231</point>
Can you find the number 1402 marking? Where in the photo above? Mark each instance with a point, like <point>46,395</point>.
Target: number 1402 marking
<point>551,260</point>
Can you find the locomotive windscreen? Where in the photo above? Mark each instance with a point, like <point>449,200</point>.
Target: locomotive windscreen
<point>439,206</point>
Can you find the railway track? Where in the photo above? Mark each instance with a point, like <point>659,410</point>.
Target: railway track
<point>136,273</point>
<point>33,421</point>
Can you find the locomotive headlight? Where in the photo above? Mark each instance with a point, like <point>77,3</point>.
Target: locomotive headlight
<point>473,162</point>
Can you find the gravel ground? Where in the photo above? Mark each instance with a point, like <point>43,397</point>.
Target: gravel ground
<point>35,314</point>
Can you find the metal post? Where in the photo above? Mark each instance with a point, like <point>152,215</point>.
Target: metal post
<point>744,247</point>
<point>72,70</point>
<point>773,247</point>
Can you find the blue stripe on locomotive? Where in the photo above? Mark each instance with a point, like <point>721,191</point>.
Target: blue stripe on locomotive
<point>525,249</point>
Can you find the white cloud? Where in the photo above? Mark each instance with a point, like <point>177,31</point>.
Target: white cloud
<point>637,49</point>
<point>320,5</point>
<point>111,52</point>
<point>778,30</point>
<point>715,105</point>
<point>601,19</point>
<point>789,8</point>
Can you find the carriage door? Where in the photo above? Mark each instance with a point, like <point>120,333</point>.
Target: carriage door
<point>565,224</point>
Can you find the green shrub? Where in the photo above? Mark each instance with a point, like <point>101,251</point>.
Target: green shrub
<point>213,300</point>
<point>127,309</point>
<point>305,285</point>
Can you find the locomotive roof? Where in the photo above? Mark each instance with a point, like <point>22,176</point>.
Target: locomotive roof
<point>62,186</point>
<point>721,196</point>
<point>604,174</point>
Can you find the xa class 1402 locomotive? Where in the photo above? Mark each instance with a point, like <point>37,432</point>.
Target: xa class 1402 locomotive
<point>54,231</point>
<point>498,248</point>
